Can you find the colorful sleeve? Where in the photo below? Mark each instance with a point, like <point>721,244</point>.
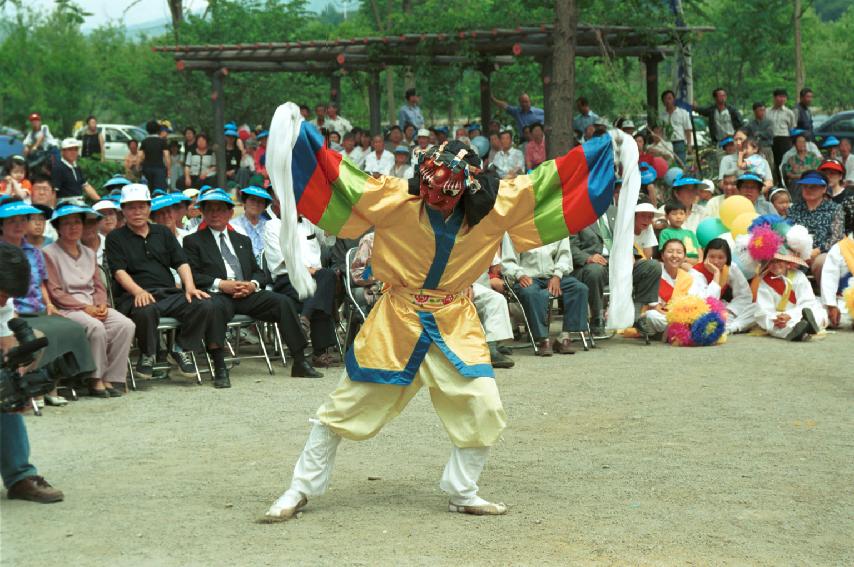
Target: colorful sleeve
<point>334,194</point>
<point>560,197</point>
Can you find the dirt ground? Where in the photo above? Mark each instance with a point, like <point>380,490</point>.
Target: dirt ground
<point>631,455</point>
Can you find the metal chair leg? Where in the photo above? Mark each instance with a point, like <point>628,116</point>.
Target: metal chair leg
<point>264,349</point>
<point>524,318</point>
<point>196,366</point>
<point>132,377</point>
<point>281,344</point>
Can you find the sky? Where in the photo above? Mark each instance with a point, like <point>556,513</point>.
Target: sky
<point>141,12</point>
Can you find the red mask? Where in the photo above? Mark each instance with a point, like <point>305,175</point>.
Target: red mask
<point>443,180</point>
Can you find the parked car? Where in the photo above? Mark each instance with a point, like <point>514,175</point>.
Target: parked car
<point>116,138</point>
<point>11,142</point>
<point>840,125</point>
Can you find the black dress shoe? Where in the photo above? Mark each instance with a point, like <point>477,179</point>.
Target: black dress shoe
<point>302,369</point>
<point>799,331</point>
<point>809,317</point>
<point>221,378</point>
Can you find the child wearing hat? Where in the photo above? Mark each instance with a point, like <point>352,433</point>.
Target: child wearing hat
<point>676,213</point>
<point>786,307</point>
<point>835,279</point>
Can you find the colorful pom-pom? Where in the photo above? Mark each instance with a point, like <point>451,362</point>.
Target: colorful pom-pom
<point>708,329</point>
<point>765,220</point>
<point>679,334</point>
<point>717,306</point>
<point>686,309</point>
<point>764,243</point>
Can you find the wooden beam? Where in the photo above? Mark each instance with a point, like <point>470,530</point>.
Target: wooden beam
<point>218,100</point>
<point>374,100</point>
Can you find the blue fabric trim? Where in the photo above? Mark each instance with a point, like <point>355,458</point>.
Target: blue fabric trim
<point>843,283</point>
<point>380,376</point>
<point>467,370</point>
<point>445,234</point>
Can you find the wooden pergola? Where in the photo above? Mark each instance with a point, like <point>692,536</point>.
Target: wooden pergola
<point>487,50</point>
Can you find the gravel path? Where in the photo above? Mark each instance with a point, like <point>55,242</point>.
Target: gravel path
<point>628,454</point>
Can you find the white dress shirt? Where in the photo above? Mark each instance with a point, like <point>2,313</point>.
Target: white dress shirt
<point>382,164</point>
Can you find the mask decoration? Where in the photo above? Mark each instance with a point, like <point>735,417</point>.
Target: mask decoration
<point>445,176</point>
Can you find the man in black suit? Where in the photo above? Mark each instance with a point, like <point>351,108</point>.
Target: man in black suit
<point>223,263</point>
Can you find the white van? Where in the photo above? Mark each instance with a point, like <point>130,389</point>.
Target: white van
<point>116,138</point>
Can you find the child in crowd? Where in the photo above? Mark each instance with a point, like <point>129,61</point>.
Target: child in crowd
<point>786,307</point>
<point>835,279</point>
<point>751,161</point>
<point>705,193</point>
<point>36,229</point>
<point>676,283</point>
<point>735,290</point>
<point>676,213</point>
<point>781,200</point>
<point>16,184</point>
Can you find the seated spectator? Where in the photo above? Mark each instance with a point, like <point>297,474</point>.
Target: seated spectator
<point>335,122</point>
<point>675,214</point>
<point>194,216</point>
<point>223,262</point>
<point>351,151</point>
<point>139,256</point>
<point>15,182</point>
<point>735,291</point>
<point>836,276</point>
<point>422,139</point>
<point>379,161</point>
<point>847,159</point>
<point>750,186</point>
<point>200,165</point>
<point>750,160</point>
<point>535,150</point>
<point>786,307</point>
<point>508,162</point>
<point>646,272</point>
<point>494,315</point>
<point>75,287</point>
<point>705,194</point>
<point>315,313</point>
<point>648,177</point>
<point>402,167</point>
<point>830,148</point>
<point>835,172</point>
<point>254,218</point>
<point>394,138</point>
<point>133,161</point>
<point>674,284</point>
<point>109,220</point>
<point>36,231</point>
<point>540,274</point>
<point>728,187</point>
<point>686,191</point>
<point>729,159</point>
<point>823,218</point>
<point>64,335</point>
<point>781,201</point>
<point>67,178</point>
<point>800,161</point>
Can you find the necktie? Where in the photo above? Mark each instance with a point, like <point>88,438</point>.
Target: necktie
<point>605,231</point>
<point>230,258</point>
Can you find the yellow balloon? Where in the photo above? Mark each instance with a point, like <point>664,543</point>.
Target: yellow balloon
<point>742,222</point>
<point>733,207</point>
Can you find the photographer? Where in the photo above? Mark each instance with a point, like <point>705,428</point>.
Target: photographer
<point>19,477</point>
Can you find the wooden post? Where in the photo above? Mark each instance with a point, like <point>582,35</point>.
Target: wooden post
<point>561,91</point>
<point>218,99</point>
<point>546,68</point>
<point>650,64</point>
<point>485,97</point>
<point>374,100</point>
<point>335,89</point>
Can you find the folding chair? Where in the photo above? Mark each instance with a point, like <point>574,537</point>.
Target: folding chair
<point>238,322</point>
<point>355,313</point>
<point>584,335</point>
<point>105,279</point>
<point>512,297</point>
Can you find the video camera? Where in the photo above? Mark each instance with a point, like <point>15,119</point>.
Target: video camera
<point>16,389</point>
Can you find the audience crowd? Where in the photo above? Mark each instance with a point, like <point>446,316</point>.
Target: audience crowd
<point>111,265</point>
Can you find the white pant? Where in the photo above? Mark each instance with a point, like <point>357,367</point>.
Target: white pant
<point>742,321</point>
<point>818,312</point>
<point>657,320</point>
<point>313,470</point>
<point>493,312</point>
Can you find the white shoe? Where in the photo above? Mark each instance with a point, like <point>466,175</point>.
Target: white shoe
<point>285,507</point>
<point>478,507</point>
